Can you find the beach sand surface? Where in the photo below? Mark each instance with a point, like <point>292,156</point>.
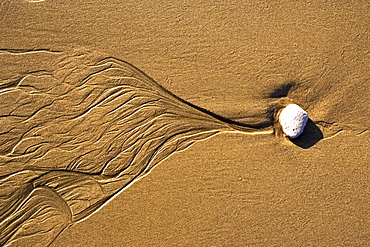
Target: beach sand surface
<point>236,60</point>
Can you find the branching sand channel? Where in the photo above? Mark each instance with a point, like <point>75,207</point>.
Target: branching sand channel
<point>77,132</point>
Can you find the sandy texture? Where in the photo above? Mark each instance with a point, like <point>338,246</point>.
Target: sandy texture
<point>239,61</point>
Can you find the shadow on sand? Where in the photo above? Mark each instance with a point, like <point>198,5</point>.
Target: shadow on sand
<point>310,136</point>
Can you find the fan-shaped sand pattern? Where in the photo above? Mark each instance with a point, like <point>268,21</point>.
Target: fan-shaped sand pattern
<point>76,133</point>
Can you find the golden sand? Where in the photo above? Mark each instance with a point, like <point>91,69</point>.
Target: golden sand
<point>218,72</point>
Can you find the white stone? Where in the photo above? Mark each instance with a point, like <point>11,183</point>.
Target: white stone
<point>293,119</point>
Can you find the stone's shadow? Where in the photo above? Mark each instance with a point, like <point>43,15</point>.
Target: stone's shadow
<point>310,136</point>
<point>282,91</point>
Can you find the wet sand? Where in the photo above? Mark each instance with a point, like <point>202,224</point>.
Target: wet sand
<point>237,61</point>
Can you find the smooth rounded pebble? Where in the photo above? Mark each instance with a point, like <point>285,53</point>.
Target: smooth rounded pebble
<point>293,119</point>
